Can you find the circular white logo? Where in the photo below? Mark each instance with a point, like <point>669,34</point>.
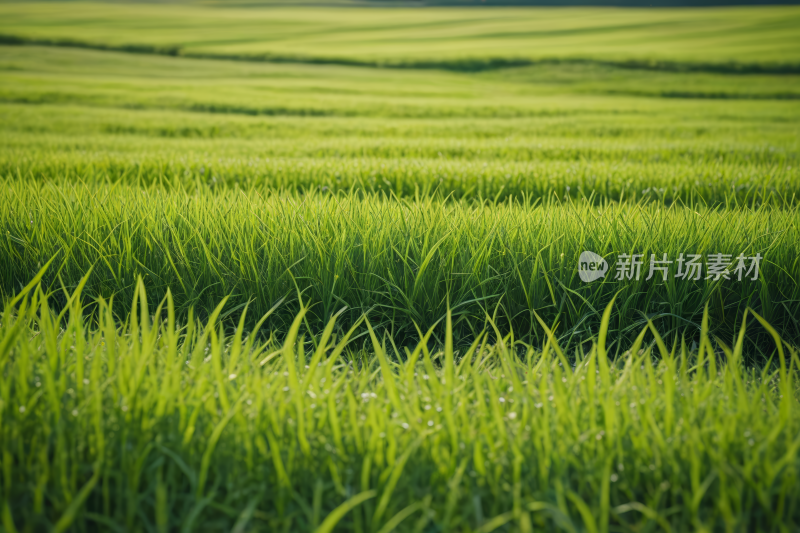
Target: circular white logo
<point>591,266</point>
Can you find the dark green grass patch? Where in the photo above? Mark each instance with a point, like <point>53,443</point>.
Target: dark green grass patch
<point>402,261</point>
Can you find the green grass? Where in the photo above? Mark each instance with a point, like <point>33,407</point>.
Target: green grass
<point>144,119</point>
<point>36,74</point>
<point>305,218</point>
<point>370,156</point>
<point>402,260</point>
<point>749,38</point>
<point>149,425</point>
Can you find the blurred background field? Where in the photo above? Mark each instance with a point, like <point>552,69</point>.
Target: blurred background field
<point>384,33</point>
<point>574,129</point>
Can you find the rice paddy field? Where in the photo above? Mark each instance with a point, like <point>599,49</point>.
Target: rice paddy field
<point>281,268</point>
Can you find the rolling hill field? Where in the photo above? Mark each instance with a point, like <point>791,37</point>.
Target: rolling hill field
<point>462,38</point>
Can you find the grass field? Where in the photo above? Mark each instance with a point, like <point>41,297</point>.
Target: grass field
<point>154,427</point>
<point>252,282</point>
<point>103,116</point>
<point>461,38</point>
<point>401,262</point>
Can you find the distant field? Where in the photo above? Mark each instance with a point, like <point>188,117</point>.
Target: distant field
<point>463,38</point>
<point>102,116</point>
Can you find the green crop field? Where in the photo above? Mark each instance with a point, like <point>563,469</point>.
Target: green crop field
<point>745,37</point>
<point>322,268</point>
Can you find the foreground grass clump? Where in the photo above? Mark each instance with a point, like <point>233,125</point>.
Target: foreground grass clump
<point>150,425</point>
